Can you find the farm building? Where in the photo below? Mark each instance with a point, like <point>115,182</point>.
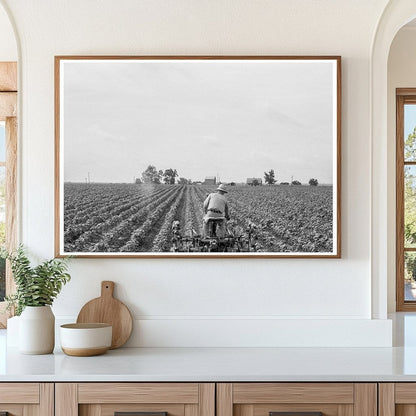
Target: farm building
<point>254,181</point>
<point>210,180</point>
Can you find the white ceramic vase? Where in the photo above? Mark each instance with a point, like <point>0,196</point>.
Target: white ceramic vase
<point>37,330</point>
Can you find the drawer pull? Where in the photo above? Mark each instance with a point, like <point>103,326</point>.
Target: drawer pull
<point>295,414</point>
<point>140,414</point>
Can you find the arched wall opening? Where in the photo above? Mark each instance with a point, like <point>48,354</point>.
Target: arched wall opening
<point>396,15</point>
<point>401,73</point>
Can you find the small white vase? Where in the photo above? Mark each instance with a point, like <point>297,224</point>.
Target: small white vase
<point>37,330</point>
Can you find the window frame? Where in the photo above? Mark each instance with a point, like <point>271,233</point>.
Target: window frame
<point>8,113</point>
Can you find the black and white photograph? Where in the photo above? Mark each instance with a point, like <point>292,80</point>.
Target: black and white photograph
<point>198,156</point>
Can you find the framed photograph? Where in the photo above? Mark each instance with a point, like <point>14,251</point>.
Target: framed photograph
<point>198,156</point>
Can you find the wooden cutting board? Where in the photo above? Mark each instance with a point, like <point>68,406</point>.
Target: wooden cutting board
<point>108,310</point>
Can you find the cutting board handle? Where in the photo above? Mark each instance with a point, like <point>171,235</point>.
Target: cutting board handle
<point>107,289</point>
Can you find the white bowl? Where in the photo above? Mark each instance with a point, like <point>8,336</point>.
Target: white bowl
<point>84,340</point>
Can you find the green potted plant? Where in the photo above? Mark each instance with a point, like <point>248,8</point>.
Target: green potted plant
<point>36,289</point>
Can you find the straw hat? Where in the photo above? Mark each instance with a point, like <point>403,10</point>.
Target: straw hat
<point>222,188</point>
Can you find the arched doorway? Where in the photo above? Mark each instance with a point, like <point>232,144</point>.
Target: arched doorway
<point>396,15</point>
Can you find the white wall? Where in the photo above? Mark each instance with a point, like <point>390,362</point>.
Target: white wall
<point>8,47</point>
<point>276,301</point>
<point>401,74</point>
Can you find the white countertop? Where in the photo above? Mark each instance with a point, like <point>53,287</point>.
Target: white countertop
<point>214,364</point>
<point>221,364</point>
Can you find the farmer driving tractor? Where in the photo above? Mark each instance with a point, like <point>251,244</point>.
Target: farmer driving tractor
<point>216,213</point>
<point>215,236</point>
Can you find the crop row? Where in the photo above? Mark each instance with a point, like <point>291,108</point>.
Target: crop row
<point>137,218</point>
<point>104,205</point>
<point>163,238</point>
<point>110,234</point>
<point>81,198</point>
<point>121,234</point>
<point>139,235</point>
<point>189,225</point>
<point>294,220</point>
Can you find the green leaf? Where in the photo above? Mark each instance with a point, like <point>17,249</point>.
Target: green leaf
<point>35,286</point>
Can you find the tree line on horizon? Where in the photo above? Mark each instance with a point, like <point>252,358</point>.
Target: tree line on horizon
<point>270,179</point>
<point>168,177</point>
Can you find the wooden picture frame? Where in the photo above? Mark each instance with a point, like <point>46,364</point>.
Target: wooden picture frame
<point>141,141</point>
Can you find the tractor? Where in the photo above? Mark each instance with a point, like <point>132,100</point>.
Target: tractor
<point>236,238</point>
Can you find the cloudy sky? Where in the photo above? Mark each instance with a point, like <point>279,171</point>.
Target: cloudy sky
<point>232,119</point>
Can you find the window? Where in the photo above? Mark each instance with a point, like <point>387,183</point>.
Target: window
<point>8,166</point>
<point>406,199</point>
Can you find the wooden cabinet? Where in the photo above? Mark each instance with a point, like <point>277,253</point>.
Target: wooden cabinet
<point>397,399</point>
<point>27,399</point>
<point>107,399</point>
<point>208,399</point>
<point>264,399</point>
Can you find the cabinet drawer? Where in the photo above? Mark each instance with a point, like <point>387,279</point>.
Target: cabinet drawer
<point>19,393</point>
<point>148,399</point>
<point>138,393</point>
<point>21,399</point>
<point>293,399</point>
